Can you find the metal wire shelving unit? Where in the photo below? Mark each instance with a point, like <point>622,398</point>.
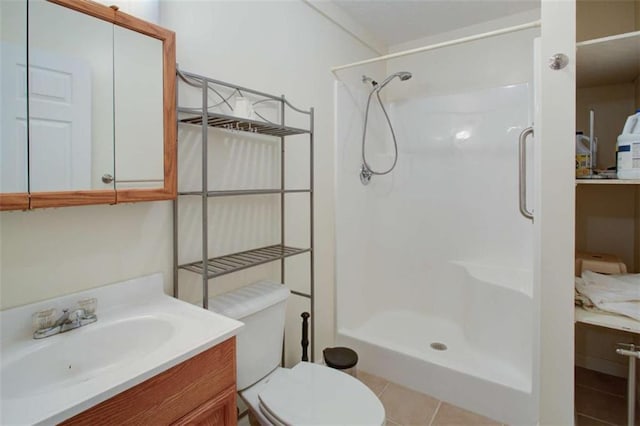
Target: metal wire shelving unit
<point>212,267</point>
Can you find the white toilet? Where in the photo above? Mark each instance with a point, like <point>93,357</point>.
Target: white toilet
<point>307,394</point>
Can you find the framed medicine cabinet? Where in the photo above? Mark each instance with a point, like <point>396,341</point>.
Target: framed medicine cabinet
<point>88,106</point>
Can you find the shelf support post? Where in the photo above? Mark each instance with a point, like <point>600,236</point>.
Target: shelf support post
<point>175,210</point>
<point>205,189</point>
<point>282,180</point>
<point>311,239</point>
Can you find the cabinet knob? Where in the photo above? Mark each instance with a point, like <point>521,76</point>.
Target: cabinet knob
<point>107,178</point>
<point>558,61</point>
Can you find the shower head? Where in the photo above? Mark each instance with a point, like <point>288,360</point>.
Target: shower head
<point>402,75</point>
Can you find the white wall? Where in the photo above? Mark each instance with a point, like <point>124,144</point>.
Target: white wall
<point>496,24</point>
<point>149,10</point>
<point>51,252</point>
<point>279,47</point>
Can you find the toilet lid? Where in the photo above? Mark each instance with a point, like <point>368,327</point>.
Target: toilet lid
<point>313,394</point>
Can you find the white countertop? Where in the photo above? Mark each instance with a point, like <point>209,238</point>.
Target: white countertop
<point>140,333</point>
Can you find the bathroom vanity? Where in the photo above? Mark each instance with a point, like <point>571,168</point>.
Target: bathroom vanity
<point>148,359</point>
<point>199,391</point>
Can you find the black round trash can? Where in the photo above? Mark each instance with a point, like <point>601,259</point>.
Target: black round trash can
<point>341,358</point>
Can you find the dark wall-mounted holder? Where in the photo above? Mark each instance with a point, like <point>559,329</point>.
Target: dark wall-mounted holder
<point>305,335</point>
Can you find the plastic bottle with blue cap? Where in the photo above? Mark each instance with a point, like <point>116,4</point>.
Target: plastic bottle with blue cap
<point>628,149</point>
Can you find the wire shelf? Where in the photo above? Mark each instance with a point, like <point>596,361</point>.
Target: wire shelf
<point>235,192</point>
<point>223,265</point>
<point>229,122</point>
<point>215,96</point>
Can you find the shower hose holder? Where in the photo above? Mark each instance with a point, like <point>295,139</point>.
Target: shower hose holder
<point>365,175</point>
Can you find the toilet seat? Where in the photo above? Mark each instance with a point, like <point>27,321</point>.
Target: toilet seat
<point>313,394</point>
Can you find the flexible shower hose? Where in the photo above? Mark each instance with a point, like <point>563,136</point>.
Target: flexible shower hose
<point>364,134</point>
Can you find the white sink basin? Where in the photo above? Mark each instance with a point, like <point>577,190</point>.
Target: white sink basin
<point>83,354</point>
<point>140,333</point>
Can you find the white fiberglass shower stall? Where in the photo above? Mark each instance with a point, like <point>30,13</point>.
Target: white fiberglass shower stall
<point>434,261</point>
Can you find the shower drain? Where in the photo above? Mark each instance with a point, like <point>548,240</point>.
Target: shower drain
<point>439,346</point>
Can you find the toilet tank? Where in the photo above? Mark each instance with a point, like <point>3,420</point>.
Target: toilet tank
<point>261,307</point>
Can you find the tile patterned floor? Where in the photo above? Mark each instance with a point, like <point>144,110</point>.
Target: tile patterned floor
<point>405,407</point>
<point>600,401</point>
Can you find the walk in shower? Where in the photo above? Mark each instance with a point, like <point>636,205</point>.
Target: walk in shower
<point>434,260</point>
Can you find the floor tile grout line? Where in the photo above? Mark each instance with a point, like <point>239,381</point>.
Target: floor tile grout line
<point>386,415</point>
<point>435,413</point>
<point>383,389</point>
<point>433,416</point>
<point>597,419</point>
<point>601,391</point>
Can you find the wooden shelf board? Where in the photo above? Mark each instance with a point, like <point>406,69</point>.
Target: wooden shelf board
<point>608,60</point>
<point>607,181</point>
<point>616,322</point>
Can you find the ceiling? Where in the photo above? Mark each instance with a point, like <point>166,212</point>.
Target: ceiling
<point>398,21</point>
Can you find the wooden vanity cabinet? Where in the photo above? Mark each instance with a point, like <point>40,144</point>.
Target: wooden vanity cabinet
<point>220,410</point>
<point>199,391</point>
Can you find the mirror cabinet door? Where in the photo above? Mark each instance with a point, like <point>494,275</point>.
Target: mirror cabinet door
<point>71,100</point>
<point>14,185</point>
<point>88,106</point>
<point>139,113</point>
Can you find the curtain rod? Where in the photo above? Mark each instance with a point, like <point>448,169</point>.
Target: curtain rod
<point>481,36</point>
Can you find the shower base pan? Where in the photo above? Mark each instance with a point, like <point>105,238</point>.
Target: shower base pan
<point>432,355</point>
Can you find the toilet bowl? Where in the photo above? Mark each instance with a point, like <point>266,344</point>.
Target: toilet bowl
<point>306,394</point>
<point>312,394</point>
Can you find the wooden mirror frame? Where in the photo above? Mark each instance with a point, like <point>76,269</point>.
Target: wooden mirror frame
<point>23,201</point>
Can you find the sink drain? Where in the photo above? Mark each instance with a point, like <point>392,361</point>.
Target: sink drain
<point>439,346</point>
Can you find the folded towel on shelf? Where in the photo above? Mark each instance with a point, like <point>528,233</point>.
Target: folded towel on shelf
<point>619,294</point>
<point>582,300</point>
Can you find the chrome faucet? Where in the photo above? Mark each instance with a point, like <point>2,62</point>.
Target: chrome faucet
<point>68,320</point>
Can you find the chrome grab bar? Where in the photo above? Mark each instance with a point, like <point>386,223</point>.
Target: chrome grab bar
<point>630,350</point>
<point>522,177</point>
